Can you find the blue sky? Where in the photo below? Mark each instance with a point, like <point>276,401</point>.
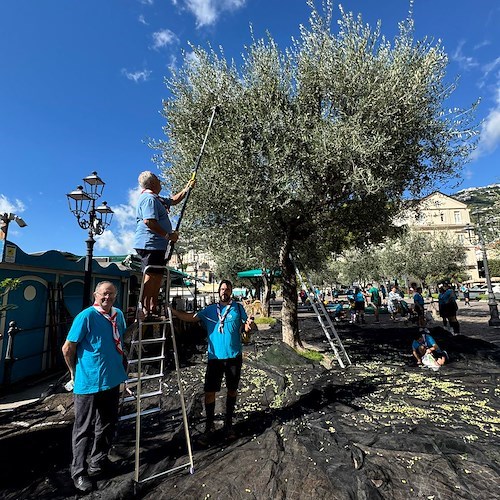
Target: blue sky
<point>81,87</point>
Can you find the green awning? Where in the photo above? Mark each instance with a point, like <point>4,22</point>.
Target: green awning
<point>257,273</point>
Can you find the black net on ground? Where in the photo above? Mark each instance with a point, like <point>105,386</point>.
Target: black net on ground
<point>383,428</point>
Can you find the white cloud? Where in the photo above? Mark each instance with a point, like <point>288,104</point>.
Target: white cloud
<point>490,130</point>
<point>465,62</point>
<point>137,76</point>
<point>120,240</point>
<point>488,68</point>
<point>192,58</point>
<point>16,206</point>
<point>147,2</point>
<point>142,20</point>
<point>485,43</point>
<point>207,12</point>
<point>163,38</point>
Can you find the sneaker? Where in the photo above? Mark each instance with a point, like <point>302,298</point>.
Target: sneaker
<point>82,483</point>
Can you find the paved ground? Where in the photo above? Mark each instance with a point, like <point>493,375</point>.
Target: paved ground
<point>473,323</point>
<point>382,429</point>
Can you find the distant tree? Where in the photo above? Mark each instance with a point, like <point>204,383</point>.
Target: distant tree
<point>494,267</point>
<point>426,257</point>
<point>360,266</point>
<point>313,147</point>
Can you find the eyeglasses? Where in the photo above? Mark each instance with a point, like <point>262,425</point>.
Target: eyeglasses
<point>106,294</point>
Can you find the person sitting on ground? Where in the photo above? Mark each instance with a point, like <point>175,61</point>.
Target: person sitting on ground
<point>424,344</point>
<point>418,306</point>
<point>393,300</point>
<point>153,230</point>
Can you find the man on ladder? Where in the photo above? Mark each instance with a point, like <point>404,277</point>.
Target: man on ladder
<point>152,233</point>
<point>223,321</point>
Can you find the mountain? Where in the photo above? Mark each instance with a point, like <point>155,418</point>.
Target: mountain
<point>485,200</point>
<point>480,197</point>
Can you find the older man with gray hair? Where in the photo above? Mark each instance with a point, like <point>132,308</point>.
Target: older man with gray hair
<point>152,233</point>
<point>94,354</point>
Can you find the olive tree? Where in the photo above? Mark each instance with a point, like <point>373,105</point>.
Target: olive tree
<point>313,146</point>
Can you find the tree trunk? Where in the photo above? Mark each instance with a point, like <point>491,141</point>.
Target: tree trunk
<point>266,301</point>
<point>290,324</point>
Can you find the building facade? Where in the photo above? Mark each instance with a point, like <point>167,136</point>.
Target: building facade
<point>442,214</point>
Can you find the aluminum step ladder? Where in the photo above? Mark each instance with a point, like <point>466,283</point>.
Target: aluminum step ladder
<point>146,365</point>
<point>323,318</point>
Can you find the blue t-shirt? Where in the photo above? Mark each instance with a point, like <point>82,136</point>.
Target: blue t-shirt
<point>225,345</point>
<point>427,342</point>
<point>418,299</point>
<point>359,297</point>
<point>150,207</point>
<point>99,366</point>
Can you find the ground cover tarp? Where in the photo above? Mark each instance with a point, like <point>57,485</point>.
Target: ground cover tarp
<point>381,429</point>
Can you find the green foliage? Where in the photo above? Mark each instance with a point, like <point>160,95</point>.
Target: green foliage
<point>313,147</point>
<point>5,286</point>
<point>312,355</point>
<point>265,320</point>
<point>494,266</point>
<point>427,257</point>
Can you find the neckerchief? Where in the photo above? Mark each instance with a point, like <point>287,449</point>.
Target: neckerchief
<point>158,197</point>
<point>222,317</point>
<point>112,319</point>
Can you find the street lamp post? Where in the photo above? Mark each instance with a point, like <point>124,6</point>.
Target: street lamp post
<point>492,303</point>
<point>82,203</point>
<point>5,220</point>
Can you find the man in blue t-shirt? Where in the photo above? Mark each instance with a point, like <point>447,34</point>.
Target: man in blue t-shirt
<point>94,355</point>
<point>424,344</point>
<point>223,321</point>
<point>152,232</point>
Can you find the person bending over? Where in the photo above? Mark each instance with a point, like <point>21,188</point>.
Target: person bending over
<point>424,344</point>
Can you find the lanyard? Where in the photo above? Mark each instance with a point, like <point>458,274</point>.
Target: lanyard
<point>112,320</point>
<point>222,317</point>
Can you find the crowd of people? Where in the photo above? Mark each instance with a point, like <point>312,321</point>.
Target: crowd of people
<point>94,354</point>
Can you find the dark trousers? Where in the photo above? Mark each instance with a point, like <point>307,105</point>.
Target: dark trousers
<point>96,416</point>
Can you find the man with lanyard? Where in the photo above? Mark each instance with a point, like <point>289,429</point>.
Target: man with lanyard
<point>94,355</point>
<point>424,344</point>
<point>223,322</point>
<point>153,230</point>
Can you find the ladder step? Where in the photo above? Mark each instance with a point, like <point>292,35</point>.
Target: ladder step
<point>143,413</point>
<point>146,360</point>
<point>128,399</point>
<point>165,321</point>
<point>146,377</point>
<point>149,341</point>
